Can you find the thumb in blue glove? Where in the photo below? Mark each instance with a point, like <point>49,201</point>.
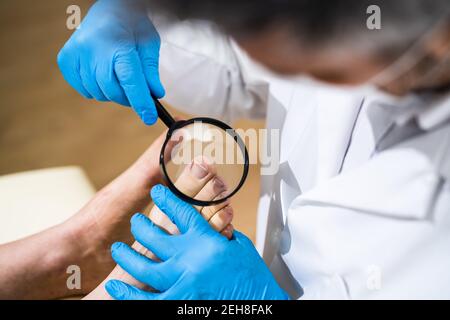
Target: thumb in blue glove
<point>114,56</point>
<point>199,263</point>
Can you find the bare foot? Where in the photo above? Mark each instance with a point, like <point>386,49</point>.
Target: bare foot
<point>105,219</point>
<point>197,180</point>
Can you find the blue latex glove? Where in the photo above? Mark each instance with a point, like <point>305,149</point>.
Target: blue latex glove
<point>114,56</point>
<point>199,263</point>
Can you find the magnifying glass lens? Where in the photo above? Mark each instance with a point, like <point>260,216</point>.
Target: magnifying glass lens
<point>213,146</point>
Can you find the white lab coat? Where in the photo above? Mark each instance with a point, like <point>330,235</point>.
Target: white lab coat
<point>360,207</point>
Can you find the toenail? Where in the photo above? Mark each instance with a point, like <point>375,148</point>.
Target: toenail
<point>218,184</point>
<point>199,170</point>
<point>229,211</point>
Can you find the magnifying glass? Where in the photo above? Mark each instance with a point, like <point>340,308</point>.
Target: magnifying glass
<point>208,139</point>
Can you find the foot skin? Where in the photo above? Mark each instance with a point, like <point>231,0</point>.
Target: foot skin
<point>105,219</point>
<point>197,180</point>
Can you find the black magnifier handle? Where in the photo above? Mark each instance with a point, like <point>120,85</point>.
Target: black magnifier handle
<point>163,114</point>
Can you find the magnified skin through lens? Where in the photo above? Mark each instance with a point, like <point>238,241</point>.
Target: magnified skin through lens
<point>214,146</point>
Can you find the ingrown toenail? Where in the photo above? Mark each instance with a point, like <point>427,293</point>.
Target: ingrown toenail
<point>199,170</point>
<point>223,195</point>
<point>218,185</point>
<point>228,210</point>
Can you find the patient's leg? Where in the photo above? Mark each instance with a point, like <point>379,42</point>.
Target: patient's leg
<point>197,180</point>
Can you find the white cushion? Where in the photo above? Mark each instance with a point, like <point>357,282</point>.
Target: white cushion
<point>35,200</point>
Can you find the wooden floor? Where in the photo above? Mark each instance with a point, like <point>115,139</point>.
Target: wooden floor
<point>45,123</point>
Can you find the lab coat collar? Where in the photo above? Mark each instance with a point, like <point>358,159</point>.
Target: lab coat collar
<point>378,187</point>
<point>429,111</point>
<point>436,114</point>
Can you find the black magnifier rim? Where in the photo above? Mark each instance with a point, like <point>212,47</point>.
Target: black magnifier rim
<point>214,122</point>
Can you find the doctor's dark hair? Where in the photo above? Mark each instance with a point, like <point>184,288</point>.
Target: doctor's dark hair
<point>319,22</point>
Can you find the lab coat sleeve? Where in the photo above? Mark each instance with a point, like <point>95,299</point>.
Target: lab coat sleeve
<point>205,73</point>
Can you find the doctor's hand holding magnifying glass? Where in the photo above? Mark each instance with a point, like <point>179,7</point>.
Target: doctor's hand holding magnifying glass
<point>118,38</point>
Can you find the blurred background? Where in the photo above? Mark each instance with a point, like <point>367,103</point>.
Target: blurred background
<point>45,123</point>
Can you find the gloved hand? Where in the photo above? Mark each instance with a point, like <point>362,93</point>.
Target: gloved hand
<point>114,56</point>
<point>197,264</point>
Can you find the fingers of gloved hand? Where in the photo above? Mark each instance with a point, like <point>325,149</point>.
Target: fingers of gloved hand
<point>108,83</point>
<point>140,267</point>
<point>128,69</point>
<point>119,290</point>
<point>181,213</point>
<point>70,65</point>
<point>148,48</point>
<point>89,80</point>
<point>242,239</point>
<point>152,237</point>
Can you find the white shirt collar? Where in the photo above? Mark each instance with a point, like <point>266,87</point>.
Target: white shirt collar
<point>428,110</point>
<point>435,114</point>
